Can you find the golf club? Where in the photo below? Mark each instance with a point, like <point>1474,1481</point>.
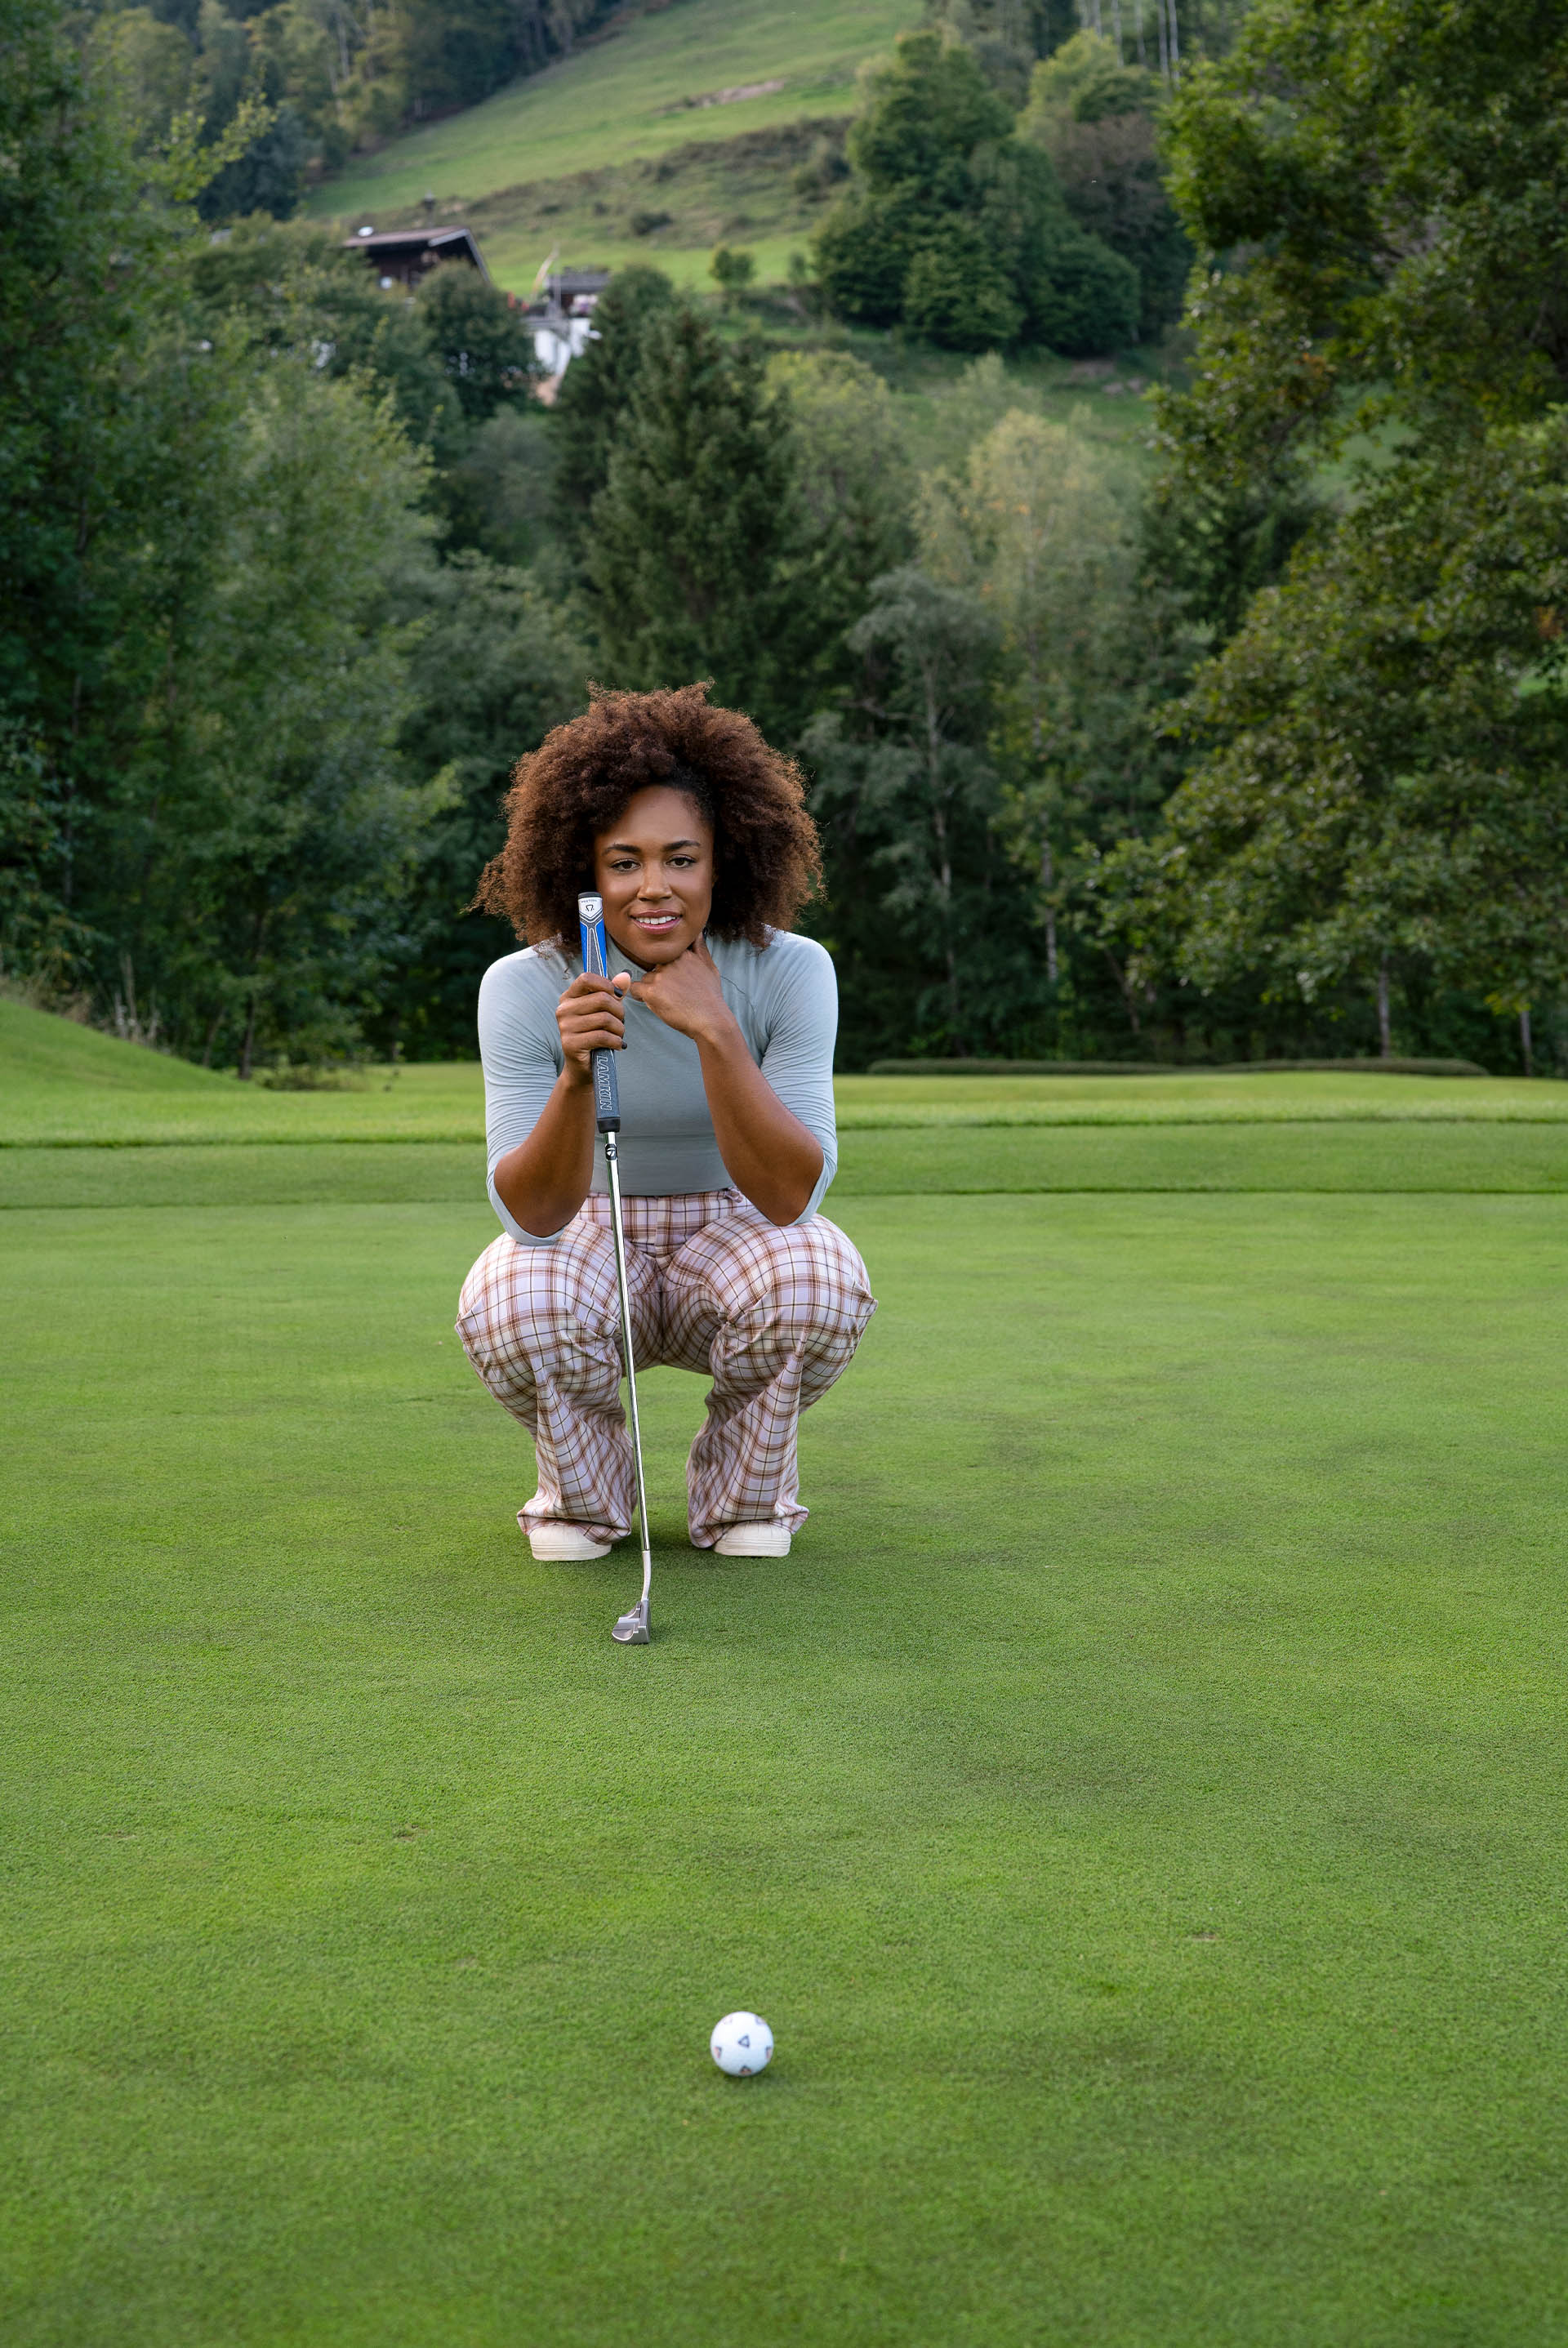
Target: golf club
<point>632,1629</point>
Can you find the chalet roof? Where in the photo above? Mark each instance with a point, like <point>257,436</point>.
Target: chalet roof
<point>406,243</point>
<point>563,289</point>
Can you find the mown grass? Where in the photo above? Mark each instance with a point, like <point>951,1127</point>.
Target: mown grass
<point>62,1084</point>
<point>1136,1804</point>
<point>904,1161</point>
<point>627,97</point>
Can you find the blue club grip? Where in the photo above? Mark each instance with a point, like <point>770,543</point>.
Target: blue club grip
<point>596,962</point>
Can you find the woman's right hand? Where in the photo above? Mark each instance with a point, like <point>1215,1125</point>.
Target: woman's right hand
<point>591,1017</point>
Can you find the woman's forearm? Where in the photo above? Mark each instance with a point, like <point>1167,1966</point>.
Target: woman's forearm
<point>543,1181</point>
<point>768,1153</point>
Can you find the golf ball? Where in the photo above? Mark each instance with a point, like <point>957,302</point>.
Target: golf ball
<point>741,2044</point>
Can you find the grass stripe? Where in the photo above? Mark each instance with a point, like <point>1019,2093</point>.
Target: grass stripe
<point>1371,1158</point>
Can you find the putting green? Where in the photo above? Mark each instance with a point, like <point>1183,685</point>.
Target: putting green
<point>1137,1804</point>
<point>1375,1156</point>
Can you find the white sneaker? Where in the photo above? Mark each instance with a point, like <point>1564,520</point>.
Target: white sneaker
<point>554,1544</point>
<point>770,1540</point>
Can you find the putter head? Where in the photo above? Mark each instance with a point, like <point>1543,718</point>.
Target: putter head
<point>632,1629</point>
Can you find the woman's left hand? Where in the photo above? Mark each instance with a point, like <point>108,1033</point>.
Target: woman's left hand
<point>687,996</point>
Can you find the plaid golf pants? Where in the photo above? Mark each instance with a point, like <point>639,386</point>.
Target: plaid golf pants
<point>773,1313</point>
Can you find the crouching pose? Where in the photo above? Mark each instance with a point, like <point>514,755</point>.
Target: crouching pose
<point>694,833</point>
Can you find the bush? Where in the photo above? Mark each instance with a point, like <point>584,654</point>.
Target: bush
<point>862,252</point>
<point>955,293</point>
<point>1089,302</point>
<point>732,269</point>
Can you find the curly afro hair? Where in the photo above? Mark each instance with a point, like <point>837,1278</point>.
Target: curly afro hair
<point>766,861</point>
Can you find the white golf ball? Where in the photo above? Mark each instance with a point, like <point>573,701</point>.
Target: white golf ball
<point>741,2044</point>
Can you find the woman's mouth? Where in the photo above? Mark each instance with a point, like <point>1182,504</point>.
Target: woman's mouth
<point>656,924</point>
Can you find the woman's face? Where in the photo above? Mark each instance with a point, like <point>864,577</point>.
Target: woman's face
<point>654,867</point>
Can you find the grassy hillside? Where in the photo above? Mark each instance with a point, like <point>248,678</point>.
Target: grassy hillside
<point>766,189</point>
<point>635,95</point>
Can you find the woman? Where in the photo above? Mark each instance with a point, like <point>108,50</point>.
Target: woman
<point>694,833</point>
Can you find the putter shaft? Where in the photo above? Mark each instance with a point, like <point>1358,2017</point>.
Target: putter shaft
<point>632,1629</point>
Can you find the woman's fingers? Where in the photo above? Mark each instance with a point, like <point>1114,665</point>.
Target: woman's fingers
<point>591,1015</point>
<point>592,1034</point>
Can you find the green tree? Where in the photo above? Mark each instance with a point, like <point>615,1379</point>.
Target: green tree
<point>1005,37</point>
<point>89,250</point>
<point>293,291</point>
<point>1380,199</point>
<point>200,688</point>
<point>1378,797</point>
<point>494,666</point>
<point>595,393</point>
<point>334,77</point>
<point>1037,533</point>
<point>1039,529</point>
<point>1098,120</point>
<point>854,487</point>
<point>482,337</point>
<point>38,938</point>
<point>732,269</point>
<point>927,918</point>
<point>277,838</point>
<point>1376,198</point>
<point>956,227</point>
<point>497,495</point>
<point>692,554</point>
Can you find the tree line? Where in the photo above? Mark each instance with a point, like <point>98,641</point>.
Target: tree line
<point>1260,754</point>
<point>308,83</point>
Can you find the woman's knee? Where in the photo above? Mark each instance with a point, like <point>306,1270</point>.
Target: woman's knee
<point>534,1304</point>
<point>806,1277</point>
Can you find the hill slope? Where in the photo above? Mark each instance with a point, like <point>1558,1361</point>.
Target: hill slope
<point>41,1053</point>
<point>638,94</point>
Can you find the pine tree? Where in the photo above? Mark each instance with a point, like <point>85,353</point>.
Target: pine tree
<point>595,393</point>
<point>692,553</point>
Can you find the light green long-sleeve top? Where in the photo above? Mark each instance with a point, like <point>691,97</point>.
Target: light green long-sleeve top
<point>785,998</point>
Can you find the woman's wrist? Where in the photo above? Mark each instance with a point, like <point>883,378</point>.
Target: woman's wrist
<point>724,1036</point>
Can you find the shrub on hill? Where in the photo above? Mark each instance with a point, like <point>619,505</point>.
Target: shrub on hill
<point>957,229</point>
<point>1096,119</point>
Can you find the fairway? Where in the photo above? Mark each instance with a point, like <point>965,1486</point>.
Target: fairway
<point>1137,1804</point>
